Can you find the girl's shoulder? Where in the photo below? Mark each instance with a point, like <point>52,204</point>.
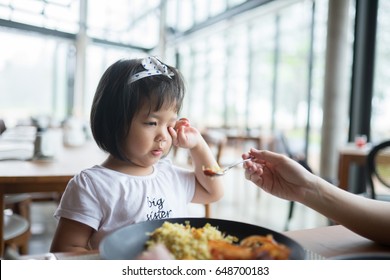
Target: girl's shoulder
<point>94,174</point>
<point>95,170</point>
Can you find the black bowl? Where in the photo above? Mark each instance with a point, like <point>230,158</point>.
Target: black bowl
<point>129,242</point>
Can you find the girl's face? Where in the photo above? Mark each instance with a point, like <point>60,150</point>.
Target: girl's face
<point>149,138</point>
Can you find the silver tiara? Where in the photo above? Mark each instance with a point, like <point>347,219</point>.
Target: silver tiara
<point>152,66</point>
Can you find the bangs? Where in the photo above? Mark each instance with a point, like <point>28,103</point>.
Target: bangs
<point>167,100</point>
<point>161,92</point>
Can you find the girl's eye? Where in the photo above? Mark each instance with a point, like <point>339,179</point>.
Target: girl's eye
<point>152,123</point>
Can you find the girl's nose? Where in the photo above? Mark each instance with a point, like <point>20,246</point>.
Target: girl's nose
<point>163,135</point>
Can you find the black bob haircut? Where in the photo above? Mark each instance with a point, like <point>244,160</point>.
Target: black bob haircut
<point>116,102</point>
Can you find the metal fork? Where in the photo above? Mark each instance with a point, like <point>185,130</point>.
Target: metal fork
<point>221,172</point>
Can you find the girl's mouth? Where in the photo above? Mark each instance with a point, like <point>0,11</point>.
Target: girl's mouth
<point>157,152</point>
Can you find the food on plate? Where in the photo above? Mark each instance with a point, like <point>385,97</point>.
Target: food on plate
<point>211,171</point>
<point>186,242</point>
<point>209,243</point>
<point>255,247</point>
<point>157,252</point>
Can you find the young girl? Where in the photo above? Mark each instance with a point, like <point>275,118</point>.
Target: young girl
<point>134,118</point>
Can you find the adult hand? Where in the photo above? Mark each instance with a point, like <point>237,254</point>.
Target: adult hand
<point>278,175</point>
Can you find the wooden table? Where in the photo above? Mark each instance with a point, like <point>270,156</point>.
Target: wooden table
<point>325,242</point>
<point>260,141</point>
<point>17,176</point>
<point>348,156</point>
<point>332,241</point>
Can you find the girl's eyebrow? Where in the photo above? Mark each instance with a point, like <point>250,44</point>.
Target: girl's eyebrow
<point>157,116</point>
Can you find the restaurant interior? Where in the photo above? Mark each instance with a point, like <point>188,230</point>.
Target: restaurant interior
<point>305,78</point>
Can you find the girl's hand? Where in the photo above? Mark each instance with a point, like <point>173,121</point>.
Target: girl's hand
<point>184,135</point>
<point>183,122</point>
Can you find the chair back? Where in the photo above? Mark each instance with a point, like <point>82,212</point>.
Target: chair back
<point>378,166</point>
<point>2,126</point>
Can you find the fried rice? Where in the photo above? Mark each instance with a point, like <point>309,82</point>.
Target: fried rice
<point>186,242</point>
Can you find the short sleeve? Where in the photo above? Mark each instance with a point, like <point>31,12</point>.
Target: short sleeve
<point>80,203</point>
<point>187,178</point>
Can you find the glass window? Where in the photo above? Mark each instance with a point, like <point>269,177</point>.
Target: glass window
<point>58,15</point>
<point>249,73</point>
<point>185,16</point>
<point>217,7</point>
<point>128,22</point>
<point>380,125</point>
<point>262,74</point>
<point>216,86</point>
<point>292,79</point>
<point>33,80</point>
<point>47,67</point>
<point>261,63</point>
<point>197,89</point>
<point>236,76</point>
<point>99,58</point>
<point>201,10</point>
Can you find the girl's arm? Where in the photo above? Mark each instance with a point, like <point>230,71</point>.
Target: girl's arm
<point>71,236</point>
<point>207,189</point>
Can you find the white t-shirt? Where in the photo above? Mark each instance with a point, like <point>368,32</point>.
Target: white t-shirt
<point>106,200</point>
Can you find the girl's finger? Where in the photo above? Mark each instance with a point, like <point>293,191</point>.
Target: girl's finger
<point>173,134</point>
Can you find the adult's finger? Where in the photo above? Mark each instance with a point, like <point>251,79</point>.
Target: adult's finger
<point>267,156</point>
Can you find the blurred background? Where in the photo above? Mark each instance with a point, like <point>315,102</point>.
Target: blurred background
<point>315,72</point>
